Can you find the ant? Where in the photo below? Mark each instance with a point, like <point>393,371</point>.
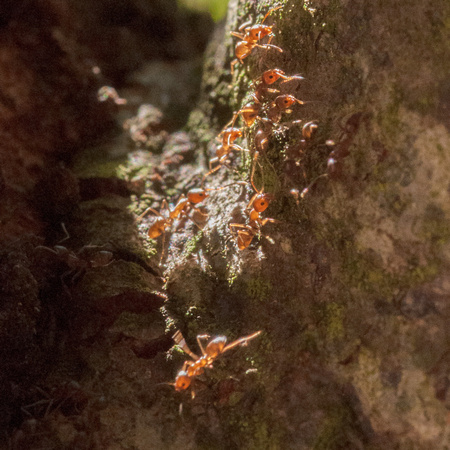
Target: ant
<point>294,151</point>
<point>86,258</point>
<point>227,138</point>
<point>213,350</point>
<point>342,148</point>
<point>251,37</point>
<point>257,204</point>
<point>281,104</point>
<point>72,266</point>
<point>261,138</point>
<point>308,132</point>
<point>249,113</point>
<point>261,85</point>
<point>309,129</point>
<point>182,209</point>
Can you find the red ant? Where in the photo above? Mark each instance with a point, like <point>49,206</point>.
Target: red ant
<point>213,350</point>
<point>293,152</point>
<point>281,104</point>
<point>250,38</point>
<point>87,257</point>
<point>257,204</point>
<point>182,209</point>
<point>261,139</point>
<point>261,85</point>
<point>249,113</point>
<point>342,148</point>
<point>227,138</point>
<point>309,129</point>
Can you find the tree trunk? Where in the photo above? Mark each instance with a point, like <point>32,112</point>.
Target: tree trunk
<point>352,289</point>
<point>349,285</point>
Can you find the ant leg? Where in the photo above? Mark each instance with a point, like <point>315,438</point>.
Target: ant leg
<point>163,247</point>
<point>232,227</point>
<point>239,148</point>
<point>180,341</point>
<point>310,185</point>
<point>267,46</point>
<point>245,25</point>
<point>233,119</point>
<point>250,203</point>
<point>202,336</point>
<point>241,341</point>
<point>255,160</point>
<point>164,205</point>
<point>149,209</point>
<point>268,220</point>
<point>238,35</point>
<point>242,183</point>
<point>214,170</point>
<point>66,233</point>
<point>186,364</point>
<point>233,63</point>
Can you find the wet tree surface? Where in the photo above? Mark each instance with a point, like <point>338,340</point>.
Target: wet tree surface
<point>350,286</point>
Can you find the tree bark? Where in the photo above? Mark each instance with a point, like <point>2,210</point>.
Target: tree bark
<point>352,290</point>
<point>349,286</point>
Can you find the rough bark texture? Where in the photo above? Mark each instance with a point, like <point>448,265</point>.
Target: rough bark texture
<point>353,295</point>
<point>351,287</point>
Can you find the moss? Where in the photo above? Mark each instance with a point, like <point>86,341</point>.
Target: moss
<point>334,320</point>
<point>419,274</point>
<point>333,431</point>
<point>257,430</point>
<point>258,289</point>
<point>95,162</point>
<point>232,275</point>
<point>192,244</point>
<point>435,226</point>
<point>389,117</point>
<point>309,341</point>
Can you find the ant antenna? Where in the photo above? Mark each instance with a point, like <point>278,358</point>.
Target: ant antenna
<point>270,11</point>
<point>255,158</point>
<point>310,185</point>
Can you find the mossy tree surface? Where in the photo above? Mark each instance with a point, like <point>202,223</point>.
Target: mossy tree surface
<point>352,296</point>
<point>349,286</point>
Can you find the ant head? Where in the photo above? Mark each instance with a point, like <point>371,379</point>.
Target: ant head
<point>285,101</point>
<point>250,113</point>
<point>261,202</point>
<point>270,76</point>
<point>182,381</point>
<point>230,134</point>
<point>197,195</point>
<point>231,131</point>
<point>235,133</point>
<point>309,129</point>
